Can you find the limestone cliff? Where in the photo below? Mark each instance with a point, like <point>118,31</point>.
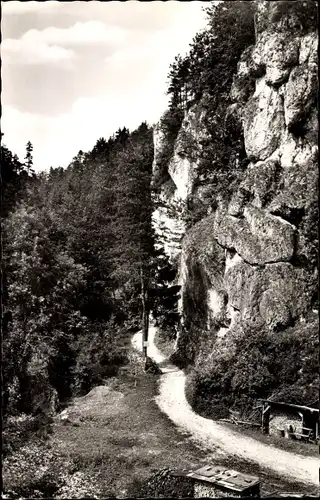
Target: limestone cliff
<point>252,262</point>
<point>177,182</point>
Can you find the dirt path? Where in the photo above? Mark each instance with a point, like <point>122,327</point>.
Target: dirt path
<point>172,401</point>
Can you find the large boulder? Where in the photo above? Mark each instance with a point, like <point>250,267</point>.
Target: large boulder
<point>278,52</point>
<point>275,295</point>
<point>263,122</point>
<point>300,93</point>
<point>202,272</point>
<point>258,237</point>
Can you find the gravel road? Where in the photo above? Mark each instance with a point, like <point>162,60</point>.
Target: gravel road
<point>215,436</point>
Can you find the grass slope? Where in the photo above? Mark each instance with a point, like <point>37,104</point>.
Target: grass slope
<point>126,438</point>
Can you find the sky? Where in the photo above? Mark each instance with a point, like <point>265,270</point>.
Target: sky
<point>73,72</point>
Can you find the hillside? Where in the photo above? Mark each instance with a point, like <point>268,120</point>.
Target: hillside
<point>246,250</point>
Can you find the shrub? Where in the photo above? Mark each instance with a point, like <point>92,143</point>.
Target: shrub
<point>162,484</point>
<point>99,356</point>
<point>282,366</point>
<point>18,430</point>
<point>304,11</point>
<point>34,471</point>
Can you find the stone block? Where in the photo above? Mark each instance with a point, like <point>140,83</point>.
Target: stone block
<point>258,237</point>
<point>263,122</point>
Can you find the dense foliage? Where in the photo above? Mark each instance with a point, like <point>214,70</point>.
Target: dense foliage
<point>303,15</point>
<point>259,365</point>
<point>83,271</point>
<point>15,176</point>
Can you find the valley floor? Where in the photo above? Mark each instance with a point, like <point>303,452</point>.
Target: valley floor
<point>119,434</point>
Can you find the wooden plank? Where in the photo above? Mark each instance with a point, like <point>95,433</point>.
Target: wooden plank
<point>254,424</point>
<point>299,436</point>
<point>306,429</point>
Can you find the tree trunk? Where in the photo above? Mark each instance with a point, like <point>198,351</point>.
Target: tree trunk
<point>144,315</point>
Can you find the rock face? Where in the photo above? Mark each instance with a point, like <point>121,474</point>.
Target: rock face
<point>263,121</point>
<point>253,262</point>
<point>258,237</point>
<point>176,178</point>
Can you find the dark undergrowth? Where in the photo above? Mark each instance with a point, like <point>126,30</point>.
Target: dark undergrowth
<point>283,366</point>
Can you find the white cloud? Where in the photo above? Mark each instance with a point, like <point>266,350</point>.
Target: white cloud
<point>40,46</point>
<point>128,87</point>
<point>89,32</point>
<point>13,7</point>
<point>31,52</point>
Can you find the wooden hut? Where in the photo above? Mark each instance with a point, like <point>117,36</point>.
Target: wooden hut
<point>290,421</point>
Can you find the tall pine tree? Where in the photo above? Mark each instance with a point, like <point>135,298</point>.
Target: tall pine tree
<point>29,157</point>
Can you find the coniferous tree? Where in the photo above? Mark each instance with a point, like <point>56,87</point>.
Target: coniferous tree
<point>132,221</point>
<point>29,157</point>
<point>14,177</point>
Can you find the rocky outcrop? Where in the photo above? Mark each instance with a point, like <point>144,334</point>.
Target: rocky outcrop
<point>176,178</point>
<point>276,295</point>
<point>253,262</point>
<point>263,122</point>
<point>258,237</point>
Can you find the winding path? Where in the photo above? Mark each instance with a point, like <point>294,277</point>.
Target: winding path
<point>215,436</point>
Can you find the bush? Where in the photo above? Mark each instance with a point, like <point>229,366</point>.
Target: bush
<point>18,430</point>
<point>99,356</point>
<point>34,471</point>
<point>282,366</point>
<point>304,11</point>
<point>162,485</point>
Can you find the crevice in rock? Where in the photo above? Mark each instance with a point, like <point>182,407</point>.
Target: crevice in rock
<point>235,308</point>
<point>238,216</point>
<point>294,216</point>
<point>298,129</point>
<point>277,262</point>
<point>278,84</point>
<point>260,71</point>
<point>300,261</point>
<point>261,266</point>
<point>225,298</point>
<point>231,251</point>
<point>315,300</point>
<point>280,327</point>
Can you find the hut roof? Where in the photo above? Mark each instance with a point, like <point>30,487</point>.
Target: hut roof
<point>280,404</point>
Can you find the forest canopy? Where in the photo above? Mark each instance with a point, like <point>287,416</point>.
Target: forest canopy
<point>79,258</point>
